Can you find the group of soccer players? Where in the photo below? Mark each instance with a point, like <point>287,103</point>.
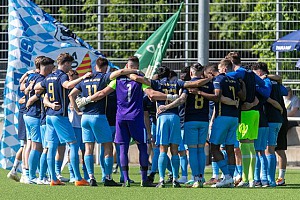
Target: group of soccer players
<point>237,110</point>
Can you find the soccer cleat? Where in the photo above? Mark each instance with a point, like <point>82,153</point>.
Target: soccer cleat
<point>225,183</point>
<point>56,183</point>
<point>176,184</point>
<point>257,184</point>
<point>243,184</point>
<point>61,178</point>
<point>150,178</point>
<point>211,181</point>
<point>111,183</point>
<point>189,183</point>
<point>82,182</point>
<point>93,182</point>
<point>183,179</point>
<point>147,183</point>
<point>170,179</point>
<point>13,176</point>
<point>237,181</point>
<point>43,182</point>
<point>72,180</point>
<point>161,184</point>
<point>126,184</point>
<point>197,184</point>
<point>280,182</point>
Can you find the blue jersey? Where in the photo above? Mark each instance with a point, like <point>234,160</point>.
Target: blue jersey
<point>230,88</point>
<point>273,114</point>
<point>56,92</point>
<point>89,87</point>
<point>35,109</point>
<point>197,107</point>
<point>111,108</point>
<point>168,87</point>
<point>150,107</point>
<point>31,77</point>
<point>43,110</point>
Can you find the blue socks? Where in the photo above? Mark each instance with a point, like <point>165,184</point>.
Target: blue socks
<point>154,167</point>
<point>231,169</point>
<point>43,166</point>
<point>33,161</point>
<point>271,167</point>
<point>109,161</point>
<point>257,168</point>
<point>193,158</point>
<point>58,165</point>
<point>74,159</point>
<point>175,166</point>
<point>184,165</point>
<point>101,161</point>
<point>51,159</point>
<point>201,160</point>
<point>215,168</point>
<point>264,167</point>
<point>162,164</point>
<point>89,163</point>
<point>223,166</point>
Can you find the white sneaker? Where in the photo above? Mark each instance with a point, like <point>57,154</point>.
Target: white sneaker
<point>26,180</point>
<point>61,178</point>
<point>243,184</point>
<point>23,177</point>
<point>43,182</point>
<point>34,181</point>
<point>225,183</point>
<point>72,180</point>
<point>183,179</point>
<point>13,176</point>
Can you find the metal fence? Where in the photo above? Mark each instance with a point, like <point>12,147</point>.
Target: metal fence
<point>118,29</point>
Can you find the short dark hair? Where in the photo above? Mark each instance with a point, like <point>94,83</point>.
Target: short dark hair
<point>227,63</point>
<point>260,65</point>
<point>134,59</point>
<point>37,61</point>
<point>46,61</point>
<point>214,67</point>
<point>101,62</point>
<point>197,67</point>
<point>173,73</point>
<point>64,57</point>
<point>163,72</point>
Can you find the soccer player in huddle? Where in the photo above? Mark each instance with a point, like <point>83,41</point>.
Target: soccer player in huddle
<point>130,117</point>
<point>33,118</point>
<point>56,86</point>
<point>225,123</point>
<point>95,127</point>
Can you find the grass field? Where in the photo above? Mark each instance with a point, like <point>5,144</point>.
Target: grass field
<point>10,189</point>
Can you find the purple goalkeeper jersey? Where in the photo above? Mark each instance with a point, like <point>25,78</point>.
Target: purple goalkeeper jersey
<point>129,98</point>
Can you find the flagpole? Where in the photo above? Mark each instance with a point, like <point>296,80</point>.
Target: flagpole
<point>186,33</point>
<point>203,32</point>
<point>278,28</point>
<point>99,25</point>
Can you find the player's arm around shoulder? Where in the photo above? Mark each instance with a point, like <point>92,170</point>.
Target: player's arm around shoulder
<point>71,84</point>
<point>72,96</point>
<point>122,72</point>
<point>181,100</point>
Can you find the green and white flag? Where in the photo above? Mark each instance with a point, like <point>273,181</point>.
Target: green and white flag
<point>154,48</point>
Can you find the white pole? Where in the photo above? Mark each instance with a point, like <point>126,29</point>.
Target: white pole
<point>203,32</point>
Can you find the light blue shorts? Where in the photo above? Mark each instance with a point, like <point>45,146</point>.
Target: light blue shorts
<point>95,128</point>
<point>224,130</point>
<point>43,134</point>
<point>260,143</point>
<point>33,128</point>
<point>59,129</point>
<point>195,132</point>
<point>273,133</point>
<point>168,129</point>
<point>182,146</point>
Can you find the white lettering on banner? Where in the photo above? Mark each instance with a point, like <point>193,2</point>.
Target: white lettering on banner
<point>150,48</point>
<point>283,48</point>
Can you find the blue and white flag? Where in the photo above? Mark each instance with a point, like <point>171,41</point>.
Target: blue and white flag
<point>33,32</point>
